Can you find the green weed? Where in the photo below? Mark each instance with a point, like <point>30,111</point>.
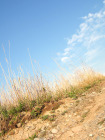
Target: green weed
<point>20,107</point>
<point>32,103</point>
<point>33,137</point>
<point>101,122</point>
<point>52,118</point>
<point>45,117</point>
<point>64,112</point>
<point>4,112</point>
<point>12,111</point>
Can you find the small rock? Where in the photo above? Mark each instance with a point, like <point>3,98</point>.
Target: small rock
<point>75,114</point>
<point>54,131</point>
<point>90,135</point>
<point>19,125</point>
<point>26,121</point>
<point>50,136</point>
<point>102,135</point>
<point>69,116</point>
<point>47,124</point>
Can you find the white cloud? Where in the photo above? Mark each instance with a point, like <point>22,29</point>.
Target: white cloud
<point>88,39</point>
<point>67,50</point>
<point>64,59</point>
<point>103,1</point>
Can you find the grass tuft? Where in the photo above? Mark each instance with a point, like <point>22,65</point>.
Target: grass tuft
<point>45,117</point>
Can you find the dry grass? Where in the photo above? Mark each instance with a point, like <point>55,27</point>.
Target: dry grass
<point>37,88</point>
<point>34,90</point>
<point>80,81</point>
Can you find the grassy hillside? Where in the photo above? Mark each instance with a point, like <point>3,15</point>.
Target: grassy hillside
<point>30,94</point>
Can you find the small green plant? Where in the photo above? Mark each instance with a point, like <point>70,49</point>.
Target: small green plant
<point>32,103</point>
<point>72,93</point>
<point>56,99</point>
<point>87,87</point>
<point>12,111</point>
<point>52,111</point>
<point>34,113</point>
<point>33,137</point>
<point>52,118</point>
<point>45,117</point>
<point>85,114</point>
<point>101,122</point>
<point>5,113</point>
<point>20,107</point>
<point>64,112</point>
<point>47,99</point>
<point>12,120</point>
<point>77,102</point>
<point>0,134</point>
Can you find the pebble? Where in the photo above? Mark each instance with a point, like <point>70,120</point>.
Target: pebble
<point>90,135</point>
<point>69,116</point>
<point>26,121</point>
<point>47,124</point>
<point>54,131</point>
<point>19,125</point>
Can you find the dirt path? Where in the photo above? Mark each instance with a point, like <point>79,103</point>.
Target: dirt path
<point>81,119</point>
<point>92,126</point>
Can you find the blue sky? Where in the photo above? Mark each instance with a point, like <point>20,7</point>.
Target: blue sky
<point>66,31</point>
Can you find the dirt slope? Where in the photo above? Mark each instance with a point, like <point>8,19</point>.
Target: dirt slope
<point>80,119</point>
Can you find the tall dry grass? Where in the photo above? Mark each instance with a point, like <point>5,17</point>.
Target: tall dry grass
<point>21,88</point>
<point>36,87</point>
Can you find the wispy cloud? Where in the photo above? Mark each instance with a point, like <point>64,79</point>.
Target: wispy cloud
<point>89,39</point>
<point>64,59</point>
